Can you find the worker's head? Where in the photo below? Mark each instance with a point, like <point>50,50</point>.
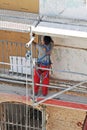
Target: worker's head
<point>47,40</point>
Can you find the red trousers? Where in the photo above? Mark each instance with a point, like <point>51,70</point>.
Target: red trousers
<point>38,73</point>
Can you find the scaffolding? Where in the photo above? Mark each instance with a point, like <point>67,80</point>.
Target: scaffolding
<point>58,93</point>
<point>20,73</point>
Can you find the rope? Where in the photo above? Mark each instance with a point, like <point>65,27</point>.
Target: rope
<point>26,97</point>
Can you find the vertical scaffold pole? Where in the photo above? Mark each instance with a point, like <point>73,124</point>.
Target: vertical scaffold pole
<point>43,118</point>
<point>31,35</point>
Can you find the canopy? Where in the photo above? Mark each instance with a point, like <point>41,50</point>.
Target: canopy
<point>21,22</point>
<point>60,30</point>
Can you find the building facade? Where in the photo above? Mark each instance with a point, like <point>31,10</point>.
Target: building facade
<point>65,107</point>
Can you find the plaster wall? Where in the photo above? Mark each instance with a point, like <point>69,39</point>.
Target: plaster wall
<point>20,5</point>
<point>59,118</point>
<point>70,54</point>
<point>64,8</point>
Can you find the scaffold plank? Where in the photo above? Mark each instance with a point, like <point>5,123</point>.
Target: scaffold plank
<point>64,100</point>
<point>60,30</point>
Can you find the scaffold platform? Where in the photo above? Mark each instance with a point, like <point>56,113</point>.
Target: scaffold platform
<point>16,92</point>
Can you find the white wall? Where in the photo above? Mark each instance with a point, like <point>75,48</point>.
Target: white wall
<point>70,54</point>
<point>65,8</point>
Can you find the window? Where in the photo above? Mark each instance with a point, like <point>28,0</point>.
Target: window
<point>13,116</point>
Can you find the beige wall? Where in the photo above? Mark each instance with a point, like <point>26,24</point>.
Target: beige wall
<point>14,36</point>
<point>59,118</point>
<point>20,5</point>
<point>70,54</point>
<point>13,50</point>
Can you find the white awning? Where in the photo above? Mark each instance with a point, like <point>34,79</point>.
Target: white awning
<point>60,30</point>
<point>21,22</point>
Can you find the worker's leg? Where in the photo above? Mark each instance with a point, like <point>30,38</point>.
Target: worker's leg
<point>45,81</point>
<point>36,80</point>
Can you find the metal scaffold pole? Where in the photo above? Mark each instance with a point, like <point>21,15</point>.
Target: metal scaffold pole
<point>31,39</point>
<point>61,92</point>
<point>43,118</point>
<point>27,93</point>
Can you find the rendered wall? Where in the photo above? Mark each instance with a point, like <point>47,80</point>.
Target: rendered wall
<point>64,8</point>
<point>20,5</point>
<point>14,36</point>
<point>59,118</point>
<point>70,54</point>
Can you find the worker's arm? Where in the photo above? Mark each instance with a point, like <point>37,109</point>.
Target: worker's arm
<point>50,51</point>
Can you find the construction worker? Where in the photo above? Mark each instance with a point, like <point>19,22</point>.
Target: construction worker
<point>43,61</point>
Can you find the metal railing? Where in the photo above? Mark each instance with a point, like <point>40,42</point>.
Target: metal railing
<point>13,116</point>
<point>13,61</point>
